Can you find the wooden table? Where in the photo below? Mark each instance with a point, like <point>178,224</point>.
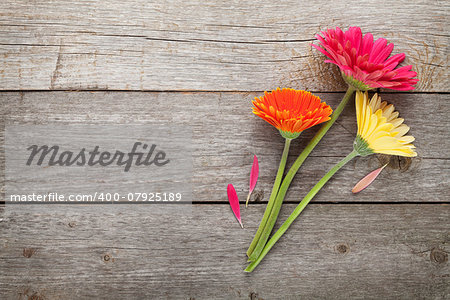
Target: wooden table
<point>131,62</point>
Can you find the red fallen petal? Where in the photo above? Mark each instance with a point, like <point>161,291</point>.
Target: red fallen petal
<point>254,173</point>
<point>234,203</point>
<point>367,180</point>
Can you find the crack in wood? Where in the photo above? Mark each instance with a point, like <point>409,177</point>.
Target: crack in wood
<point>58,66</point>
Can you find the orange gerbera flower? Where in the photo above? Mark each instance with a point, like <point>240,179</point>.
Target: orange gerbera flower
<point>291,111</point>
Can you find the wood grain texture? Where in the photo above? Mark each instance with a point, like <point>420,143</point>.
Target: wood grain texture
<point>134,252</point>
<point>370,250</point>
<point>214,46</point>
<point>226,135</point>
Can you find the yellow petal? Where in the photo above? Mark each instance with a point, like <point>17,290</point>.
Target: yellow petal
<point>402,130</point>
<point>380,127</point>
<point>397,122</point>
<point>406,139</point>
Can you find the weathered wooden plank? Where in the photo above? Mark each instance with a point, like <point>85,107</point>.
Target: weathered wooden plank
<point>133,252</point>
<point>219,46</point>
<point>226,135</point>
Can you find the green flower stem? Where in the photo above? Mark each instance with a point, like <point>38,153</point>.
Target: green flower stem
<point>276,186</point>
<point>277,235</point>
<point>264,235</point>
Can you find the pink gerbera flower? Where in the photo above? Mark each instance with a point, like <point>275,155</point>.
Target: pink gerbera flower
<point>364,63</point>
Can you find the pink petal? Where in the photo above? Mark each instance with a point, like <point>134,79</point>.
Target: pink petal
<point>234,203</point>
<point>254,173</point>
<point>367,180</point>
<point>392,62</point>
<point>378,46</point>
<point>367,44</point>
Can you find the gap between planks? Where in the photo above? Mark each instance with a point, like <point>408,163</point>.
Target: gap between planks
<point>209,91</point>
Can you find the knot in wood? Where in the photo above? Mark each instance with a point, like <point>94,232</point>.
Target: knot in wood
<point>342,248</point>
<point>438,256</point>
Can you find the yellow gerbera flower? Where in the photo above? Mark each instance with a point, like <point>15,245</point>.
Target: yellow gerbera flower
<point>379,128</point>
